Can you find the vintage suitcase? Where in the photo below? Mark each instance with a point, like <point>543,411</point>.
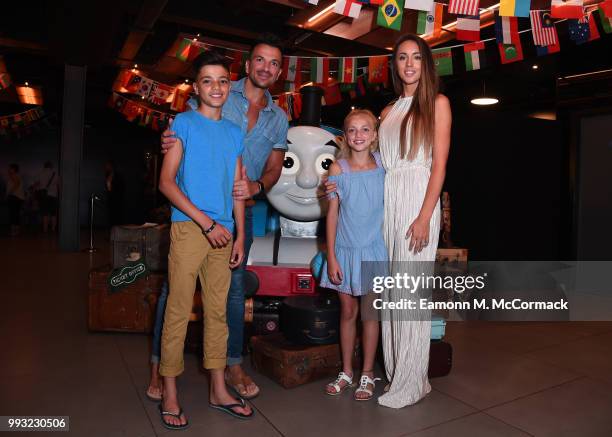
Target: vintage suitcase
<point>129,309</point>
<point>292,365</point>
<point>311,319</point>
<point>440,359</point>
<point>438,327</point>
<point>148,242</point>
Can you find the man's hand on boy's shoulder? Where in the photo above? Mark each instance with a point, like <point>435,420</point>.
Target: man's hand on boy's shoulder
<point>237,253</point>
<point>168,140</point>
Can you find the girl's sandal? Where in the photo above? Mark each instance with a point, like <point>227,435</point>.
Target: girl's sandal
<point>336,384</point>
<point>364,381</point>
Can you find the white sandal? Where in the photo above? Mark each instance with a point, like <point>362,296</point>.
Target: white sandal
<point>336,384</point>
<point>363,387</point>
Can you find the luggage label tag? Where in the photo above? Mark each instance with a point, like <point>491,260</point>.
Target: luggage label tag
<point>126,275</point>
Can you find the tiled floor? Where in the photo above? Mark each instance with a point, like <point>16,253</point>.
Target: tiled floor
<point>508,379</point>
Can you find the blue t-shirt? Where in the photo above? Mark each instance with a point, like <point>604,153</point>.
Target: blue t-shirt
<point>205,175</point>
<point>269,133</point>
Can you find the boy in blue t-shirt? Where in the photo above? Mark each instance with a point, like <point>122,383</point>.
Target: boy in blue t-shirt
<point>197,178</point>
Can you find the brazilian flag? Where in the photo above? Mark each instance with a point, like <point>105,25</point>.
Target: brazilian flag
<point>390,14</point>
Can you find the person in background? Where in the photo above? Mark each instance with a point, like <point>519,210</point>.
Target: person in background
<point>15,197</point>
<point>115,190</point>
<point>47,188</point>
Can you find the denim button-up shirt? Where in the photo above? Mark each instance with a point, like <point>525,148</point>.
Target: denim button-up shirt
<point>270,131</point>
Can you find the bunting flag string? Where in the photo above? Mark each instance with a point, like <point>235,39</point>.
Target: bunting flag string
<point>5,81</point>
<point>15,123</point>
<point>135,111</point>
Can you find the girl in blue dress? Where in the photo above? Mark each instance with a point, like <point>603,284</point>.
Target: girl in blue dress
<point>354,234</point>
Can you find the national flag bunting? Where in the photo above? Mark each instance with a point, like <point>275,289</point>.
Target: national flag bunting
<point>350,8</point>
<point>5,81</point>
<point>606,7</point>
<point>547,50</point>
<point>292,66</point>
<point>606,22</point>
<point>474,59</point>
<point>419,5</point>
<point>463,7</point>
<point>567,9</point>
<point>443,60</point>
<point>160,93</point>
<point>468,28</point>
<point>390,14</point>
<point>514,8</point>
<point>578,30</point>
<point>593,31</point>
<point>378,69</point>
<point>346,72</point>
<point>183,51</point>
<point>506,30</point>
<point>313,2</point>
<point>371,2</point>
<point>331,93</point>
<point>319,70</point>
<point>543,28</point>
<point>430,22</point>
<point>145,87</point>
<point>511,52</point>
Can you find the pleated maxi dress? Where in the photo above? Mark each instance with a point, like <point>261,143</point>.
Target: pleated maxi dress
<point>405,333</point>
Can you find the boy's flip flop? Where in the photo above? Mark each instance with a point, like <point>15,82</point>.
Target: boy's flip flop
<point>152,397</point>
<point>228,409</point>
<point>177,415</point>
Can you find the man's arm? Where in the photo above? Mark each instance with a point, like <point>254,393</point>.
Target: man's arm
<point>219,236</point>
<point>244,189</point>
<point>238,247</point>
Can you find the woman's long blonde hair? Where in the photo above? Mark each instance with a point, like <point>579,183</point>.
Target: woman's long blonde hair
<point>345,150</point>
<point>421,116</point>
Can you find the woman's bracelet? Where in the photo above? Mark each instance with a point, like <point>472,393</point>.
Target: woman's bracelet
<point>209,230</point>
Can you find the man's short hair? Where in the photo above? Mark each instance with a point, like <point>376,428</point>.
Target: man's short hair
<point>210,57</point>
<point>268,39</point>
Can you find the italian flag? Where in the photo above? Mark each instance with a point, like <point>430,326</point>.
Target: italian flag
<point>346,73</point>
<point>430,22</point>
<point>319,70</point>
<point>472,56</point>
<point>183,51</point>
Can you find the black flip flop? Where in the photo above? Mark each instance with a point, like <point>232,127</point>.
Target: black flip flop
<point>228,409</point>
<point>177,415</point>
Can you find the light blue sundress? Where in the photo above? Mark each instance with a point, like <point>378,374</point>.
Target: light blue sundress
<point>359,235</point>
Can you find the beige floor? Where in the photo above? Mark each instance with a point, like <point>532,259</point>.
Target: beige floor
<point>512,379</point>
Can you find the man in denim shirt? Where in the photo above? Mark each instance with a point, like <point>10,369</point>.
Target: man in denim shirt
<point>250,106</point>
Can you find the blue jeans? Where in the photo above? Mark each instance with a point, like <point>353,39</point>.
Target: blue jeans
<point>159,324</point>
<point>235,305</point>
<point>235,298</point>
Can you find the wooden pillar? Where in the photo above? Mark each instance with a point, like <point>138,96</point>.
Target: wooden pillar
<point>71,150</point>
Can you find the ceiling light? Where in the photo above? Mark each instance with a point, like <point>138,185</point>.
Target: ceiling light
<point>320,14</point>
<point>484,101</point>
<point>27,84</point>
<point>535,66</point>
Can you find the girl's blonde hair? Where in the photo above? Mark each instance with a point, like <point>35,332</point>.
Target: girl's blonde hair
<point>345,150</point>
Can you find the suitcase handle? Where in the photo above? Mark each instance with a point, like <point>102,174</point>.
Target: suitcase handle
<point>317,338</point>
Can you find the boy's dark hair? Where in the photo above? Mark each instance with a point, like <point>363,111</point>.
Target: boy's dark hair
<point>14,167</point>
<point>210,57</point>
<point>268,39</point>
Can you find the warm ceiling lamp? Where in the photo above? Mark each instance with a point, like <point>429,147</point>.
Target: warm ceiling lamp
<point>321,13</point>
<point>29,95</point>
<point>484,100</point>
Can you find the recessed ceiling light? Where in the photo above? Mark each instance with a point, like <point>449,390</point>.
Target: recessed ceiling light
<point>484,101</point>
<point>535,66</point>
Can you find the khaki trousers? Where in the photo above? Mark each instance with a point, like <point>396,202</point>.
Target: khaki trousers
<point>191,255</point>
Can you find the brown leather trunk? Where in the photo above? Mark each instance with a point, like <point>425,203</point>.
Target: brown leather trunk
<point>293,365</point>
<point>130,309</point>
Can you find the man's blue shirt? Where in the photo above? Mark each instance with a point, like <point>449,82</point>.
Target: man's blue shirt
<point>270,131</point>
<point>205,175</point>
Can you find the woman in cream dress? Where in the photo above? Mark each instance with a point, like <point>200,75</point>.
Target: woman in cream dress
<point>414,140</point>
